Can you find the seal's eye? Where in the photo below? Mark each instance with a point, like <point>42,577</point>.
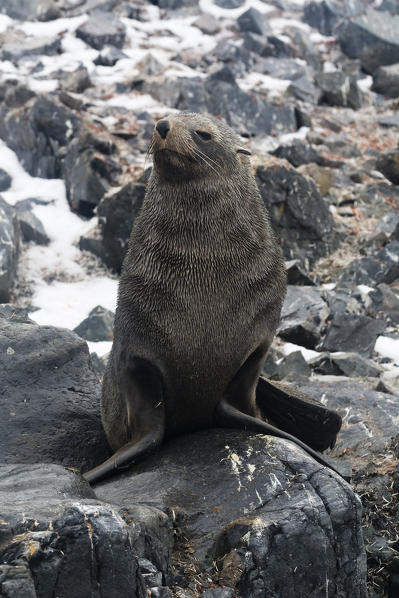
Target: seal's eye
<point>204,135</point>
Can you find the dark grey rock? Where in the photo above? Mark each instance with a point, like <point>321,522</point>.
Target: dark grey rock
<point>339,89</point>
<point>38,132</point>
<point>384,303</point>
<point>303,316</point>
<point>18,95</point>
<point>324,15</point>
<point>253,21</point>
<point>391,6</point>
<point>388,164</point>
<point>297,153</point>
<point>31,228</point>
<point>247,113</point>
<point>235,55</point>
<point>29,10</point>
<point>269,495</point>
<point>298,213</point>
<point>282,68</point>
<point>297,274</point>
<point>345,364</point>
<point>373,38</point>
<point>76,81</point>
<point>16,581</point>
<point>182,93</point>
<point>50,395</point>
<point>161,592</point>
<point>352,333</point>
<point>116,216</point>
<point>304,89</point>
<point>373,269</point>
<point>229,4</point>
<point>293,368</point>
<point>389,121</point>
<point>31,47</point>
<point>98,326</point>
<point>386,80</point>
<point>109,56</point>
<point>388,222</point>
<point>5,180</point>
<point>70,543</point>
<point>102,29</point>
<point>9,249</point>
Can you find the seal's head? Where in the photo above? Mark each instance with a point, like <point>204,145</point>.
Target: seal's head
<point>191,146</point>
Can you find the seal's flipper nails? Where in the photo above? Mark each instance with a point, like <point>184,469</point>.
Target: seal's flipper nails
<point>141,414</point>
<point>297,413</point>
<point>228,416</point>
<point>125,456</point>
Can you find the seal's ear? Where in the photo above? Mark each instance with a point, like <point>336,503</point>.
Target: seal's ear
<point>242,150</point>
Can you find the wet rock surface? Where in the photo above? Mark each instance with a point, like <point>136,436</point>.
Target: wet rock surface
<point>50,395</point>
<point>9,249</point>
<point>250,499</point>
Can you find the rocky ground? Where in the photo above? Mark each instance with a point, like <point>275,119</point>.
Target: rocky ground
<point>314,91</point>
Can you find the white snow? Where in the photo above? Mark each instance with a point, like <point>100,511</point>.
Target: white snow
<point>136,102</point>
<point>62,290</point>
<point>51,28</point>
<point>263,83</point>
<point>208,6</point>
<point>388,347</point>
<point>5,22</point>
<point>307,354</point>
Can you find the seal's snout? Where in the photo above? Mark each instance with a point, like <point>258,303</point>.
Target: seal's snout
<point>163,127</point>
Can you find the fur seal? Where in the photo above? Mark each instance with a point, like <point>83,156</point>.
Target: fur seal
<point>199,301</point>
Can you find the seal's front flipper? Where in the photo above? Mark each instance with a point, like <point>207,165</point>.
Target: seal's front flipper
<point>142,397</point>
<point>228,416</point>
<point>298,414</point>
<point>125,456</point>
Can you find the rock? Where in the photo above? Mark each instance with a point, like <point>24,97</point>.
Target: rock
<point>352,333</point>
<point>229,4</point>
<point>345,364</point>
<point>5,180</point>
<point>9,249</point>
<point>31,47</point>
<point>235,55</point>
<point>109,56</point>
<point>76,81</point>
<point>373,269</point>
<point>50,395</point>
<point>29,10</point>
<point>38,132</point>
<point>282,68</point>
<point>298,213</point>
<point>386,80</point>
<point>339,89</point>
<point>102,29</point>
<point>296,273</point>
<point>98,326</point>
<point>259,497</point>
<point>391,6</point>
<point>293,367</point>
<point>389,121</point>
<point>207,23</point>
<point>219,593</point>
<point>304,89</point>
<point>371,37</point>
<point>253,21</point>
<point>324,15</point>
<point>303,316</point>
<point>116,216</point>
<point>69,542</point>
<point>367,442</point>
<point>31,227</point>
<point>88,169</point>
<point>297,153</point>
<point>323,177</point>
<point>384,303</point>
<point>388,164</point>
<point>388,222</point>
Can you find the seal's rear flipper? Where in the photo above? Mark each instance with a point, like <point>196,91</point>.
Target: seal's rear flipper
<point>228,416</point>
<point>298,414</point>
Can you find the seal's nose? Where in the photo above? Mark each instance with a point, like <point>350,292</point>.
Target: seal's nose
<point>163,127</point>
